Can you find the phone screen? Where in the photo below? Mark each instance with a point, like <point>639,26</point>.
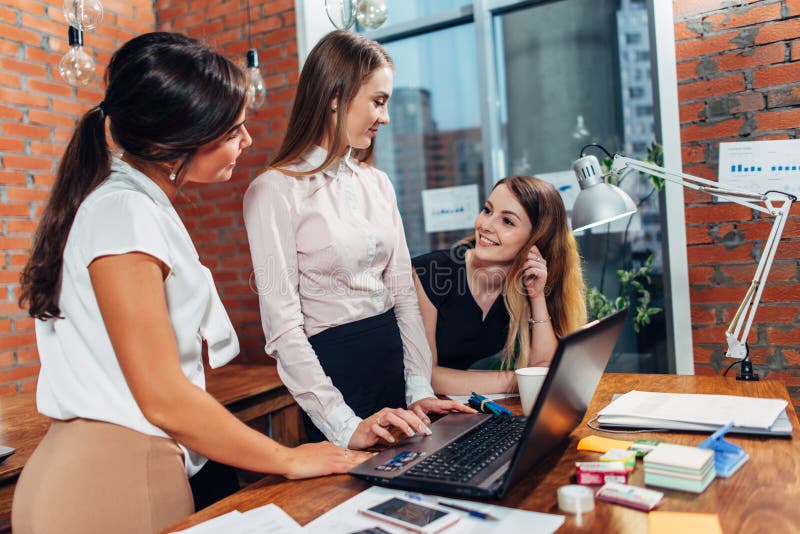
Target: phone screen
<point>416,514</point>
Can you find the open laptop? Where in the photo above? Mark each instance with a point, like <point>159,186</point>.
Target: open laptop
<point>480,455</point>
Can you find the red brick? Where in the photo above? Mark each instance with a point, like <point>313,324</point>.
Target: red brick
<point>15,33</point>
<point>784,97</point>
<point>767,314</point>
<point>700,275</point>
<point>7,112</point>
<point>716,254</point>
<point>795,54</point>
<point>26,130</point>
<point>744,17</point>
<point>702,316</point>
<point>11,145</point>
<point>687,70</point>
<point>43,25</point>
<point>686,8</point>
<point>705,46</point>
<point>58,88</point>
<point>51,119</point>
<point>22,98</point>
<point>717,86</point>
<point>776,75</point>
<point>782,336</point>
<point>779,31</point>
<point>21,227</point>
<point>44,180</point>
<point>28,356</point>
<point>711,130</point>
<point>276,6</point>
<point>10,80</point>
<point>16,194</point>
<point>708,334</point>
<point>778,120</point>
<point>26,163</point>
<point>751,57</point>
<point>16,340</point>
<point>781,293</point>
<point>14,210</point>
<point>691,112</point>
<point>18,373</point>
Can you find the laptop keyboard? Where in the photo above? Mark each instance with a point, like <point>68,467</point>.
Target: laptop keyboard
<point>465,457</point>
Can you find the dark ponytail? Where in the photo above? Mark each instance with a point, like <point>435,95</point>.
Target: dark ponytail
<point>85,164</point>
<point>166,96</point>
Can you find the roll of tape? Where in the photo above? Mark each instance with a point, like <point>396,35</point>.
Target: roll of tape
<point>575,499</point>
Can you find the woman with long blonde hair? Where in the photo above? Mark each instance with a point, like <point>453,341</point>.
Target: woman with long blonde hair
<point>514,288</point>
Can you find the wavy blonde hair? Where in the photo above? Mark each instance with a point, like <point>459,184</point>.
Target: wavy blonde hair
<point>566,302</point>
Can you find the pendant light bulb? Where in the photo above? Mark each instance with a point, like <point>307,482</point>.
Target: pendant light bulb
<point>372,13</point>
<point>256,91</point>
<point>84,15</point>
<point>76,67</point>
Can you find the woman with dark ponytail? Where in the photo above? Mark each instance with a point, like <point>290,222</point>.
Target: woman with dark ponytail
<point>123,305</point>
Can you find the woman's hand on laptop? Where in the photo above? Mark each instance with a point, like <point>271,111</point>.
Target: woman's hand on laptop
<point>434,405</point>
<point>320,459</point>
<point>377,427</point>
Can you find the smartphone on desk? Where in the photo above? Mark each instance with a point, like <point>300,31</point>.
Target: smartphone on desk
<point>413,516</point>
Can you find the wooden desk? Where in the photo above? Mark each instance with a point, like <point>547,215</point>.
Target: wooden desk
<point>251,392</point>
<point>762,496</point>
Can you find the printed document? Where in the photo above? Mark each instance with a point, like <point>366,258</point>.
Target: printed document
<point>696,408</point>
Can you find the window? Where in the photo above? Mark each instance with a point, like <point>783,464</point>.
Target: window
<point>434,137</point>
<point>532,83</point>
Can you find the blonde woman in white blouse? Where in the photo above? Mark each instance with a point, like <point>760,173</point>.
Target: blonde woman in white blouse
<point>331,264</point>
<point>123,304</point>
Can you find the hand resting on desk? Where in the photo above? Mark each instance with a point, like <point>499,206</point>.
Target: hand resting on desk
<point>320,459</point>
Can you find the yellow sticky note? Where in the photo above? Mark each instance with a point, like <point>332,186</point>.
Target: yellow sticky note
<point>600,444</point>
<point>671,522</point>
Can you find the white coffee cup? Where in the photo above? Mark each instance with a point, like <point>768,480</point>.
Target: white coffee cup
<point>529,382</point>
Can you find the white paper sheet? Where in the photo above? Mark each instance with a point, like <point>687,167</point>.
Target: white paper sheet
<point>450,208</point>
<point>269,518</point>
<point>346,517</point>
<point>696,408</point>
<point>759,166</point>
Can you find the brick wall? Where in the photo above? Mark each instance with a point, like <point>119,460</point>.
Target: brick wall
<point>213,214</point>
<point>37,114</point>
<point>38,111</point>
<point>739,80</point>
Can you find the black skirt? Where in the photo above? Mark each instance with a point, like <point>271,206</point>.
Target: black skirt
<point>364,360</point>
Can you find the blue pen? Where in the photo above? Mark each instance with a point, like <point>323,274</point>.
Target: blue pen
<point>473,513</point>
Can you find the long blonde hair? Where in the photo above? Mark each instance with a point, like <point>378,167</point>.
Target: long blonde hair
<point>566,302</point>
<point>335,69</point>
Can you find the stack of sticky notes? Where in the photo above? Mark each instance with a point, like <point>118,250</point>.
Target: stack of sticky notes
<point>679,467</point>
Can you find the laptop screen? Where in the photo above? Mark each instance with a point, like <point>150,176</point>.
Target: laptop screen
<point>575,371</point>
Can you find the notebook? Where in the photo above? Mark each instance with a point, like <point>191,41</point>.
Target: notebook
<point>482,455</point>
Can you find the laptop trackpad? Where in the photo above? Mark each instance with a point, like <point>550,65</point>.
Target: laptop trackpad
<point>393,461</point>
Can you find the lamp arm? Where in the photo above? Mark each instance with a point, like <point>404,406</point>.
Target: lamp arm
<point>623,164</point>
<point>738,330</point>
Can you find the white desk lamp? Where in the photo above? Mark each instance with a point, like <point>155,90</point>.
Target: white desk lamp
<point>599,203</point>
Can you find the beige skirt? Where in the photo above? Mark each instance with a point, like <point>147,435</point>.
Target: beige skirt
<point>93,477</point>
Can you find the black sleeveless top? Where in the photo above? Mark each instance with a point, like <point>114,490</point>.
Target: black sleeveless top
<point>462,336</point>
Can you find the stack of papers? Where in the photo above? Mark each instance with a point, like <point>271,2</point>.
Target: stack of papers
<point>679,467</point>
<point>684,411</point>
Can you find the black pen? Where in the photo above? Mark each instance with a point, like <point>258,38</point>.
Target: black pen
<point>471,512</point>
